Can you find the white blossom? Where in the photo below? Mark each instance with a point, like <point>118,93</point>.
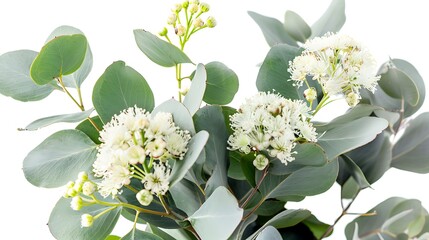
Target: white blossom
<point>157,182</point>
<point>86,220</point>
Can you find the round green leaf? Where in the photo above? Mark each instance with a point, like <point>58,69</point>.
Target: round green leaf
<point>296,27</point>
<point>60,56</point>
<point>15,80</point>
<point>120,87</point>
<point>273,30</point>
<point>69,118</point>
<point>80,75</point>
<point>65,223</point>
<point>411,151</point>
<point>136,234</point>
<point>222,84</point>
<point>159,51</point>
<point>194,97</point>
<point>273,74</point>
<point>59,159</point>
<point>398,84</point>
<point>331,21</point>
<point>219,211</point>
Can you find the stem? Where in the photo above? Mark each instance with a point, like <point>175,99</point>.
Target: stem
<point>179,80</point>
<point>401,116</point>
<point>93,124</point>
<point>255,189</point>
<point>164,204</point>
<point>343,213</point>
<point>192,230</point>
<point>60,81</point>
<point>135,220</point>
<point>321,104</point>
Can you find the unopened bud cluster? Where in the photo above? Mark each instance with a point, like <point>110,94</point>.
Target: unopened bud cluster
<point>186,19</point>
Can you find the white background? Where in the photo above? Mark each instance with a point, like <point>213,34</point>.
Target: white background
<point>389,28</point>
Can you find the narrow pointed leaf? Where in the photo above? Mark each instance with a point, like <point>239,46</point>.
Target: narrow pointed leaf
<point>296,27</point>
<point>273,30</point>
<point>68,118</point>
<point>181,115</point>
<point>220,211</point>
<point>195,95</point>
<point>136,234</point>
<point>59,159</point>
<point>331,21</point>
<point>120,87</point>
<point>15,80</point>
<point>60,56</point>
<point>159,51</point>
<point>355,171</point>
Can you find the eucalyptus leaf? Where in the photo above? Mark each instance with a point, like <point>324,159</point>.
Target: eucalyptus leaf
<point>411,151</point>
<point>211,119</point>
<point>296,27</point>
<point>120,87</point>
<point>60,56</point>
<point>331,21</point>
<point>136,234</point>
<point>273,74</point>
<point>181,193</point>
<point>269,233</point>
<point>15,80</point>
<point>219,211</point>
<point>398,84</point>
<point>181,167</point>
<point>348,136</point>
<point>69,118</point>
<point>65,223</point>
<point>240,230</point>
<point>273,30</point>
<point>59,159</point>
<point>317,227</point>
<point>222,84</point>
<point>90,130</point>
<point>155,230</point>
<point>181,115</point>
<point>159,51</point>
<point>349,189</point>
<point>355,171</point>
<point>82,73</point>
<point>112,237</point>
<point>195,95</point>
<point>391,117</point>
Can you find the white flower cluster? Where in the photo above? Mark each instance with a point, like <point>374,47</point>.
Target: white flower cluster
<point>131,142</point>
<point>340,65</point>
<point>270,123</point>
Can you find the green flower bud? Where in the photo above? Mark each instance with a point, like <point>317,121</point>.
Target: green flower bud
<point>71,192</point>
<point>185,4</point>
<point>171,20</point>
<point>260,162</point>
<point>211,22</point>
<point>204,7</point>
<point>198,23</point>
<point>86,220</point>
<point>88,188</point>
<point>76,203</point>
<point>352,99</point>
<point>197,2</point>
<point>83,176</point>
<point>163,32</point>
<point>144,197</point>
<point>78,185</point>
<point>177,8</point>
<point>193,8</point>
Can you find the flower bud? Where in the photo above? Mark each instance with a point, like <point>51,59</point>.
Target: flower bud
<point>86,220</point>
<point>177,8</point>
<point>211,22</point>
<point>180,30</point>
<point>88,188</point>
<point>204,7</point>
<point>83,176</point>
<point>185,4</point>
<point>310,94</point>
<point>163,32</point>
<point>193,8</point>
<point>144,197</point>
<point>78,185</point>
<point>76,203</point>
<point>260,162</point>
<point>171,20</point>
<point>71,192</point>
<point>198,23</point>
<point>352,99</point>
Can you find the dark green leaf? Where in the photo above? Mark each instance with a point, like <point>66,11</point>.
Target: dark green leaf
<point>331,21</point>
<point>411,151</point>
<point>15,80</point>
<point>247,168</point>
<point>65,223</point>
<point>136,234</point>
<point>182,192</point>
<point>169,234</point>
<point>59,159</point>
<point>69,118</point>
<point>317,227</point>
<point>273,74</point>
<point>273,30</point>
<point>234,169</point>
<point>194,97</point>
<point>355,171</point>
<point>60,56</point>
<point>159,51</point>
<point>398,84</point>
<point>222,84</point>
<point>349,189</point>
<point>120,87</point>
<point>270,207</point>
<point>296,27</point>
<point>90,130</point>
<point>348,136</point>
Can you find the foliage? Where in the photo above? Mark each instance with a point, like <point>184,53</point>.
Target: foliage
<point>216,172</point>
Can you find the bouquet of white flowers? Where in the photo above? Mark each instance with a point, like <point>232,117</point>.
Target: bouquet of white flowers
<point>188,171</point>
